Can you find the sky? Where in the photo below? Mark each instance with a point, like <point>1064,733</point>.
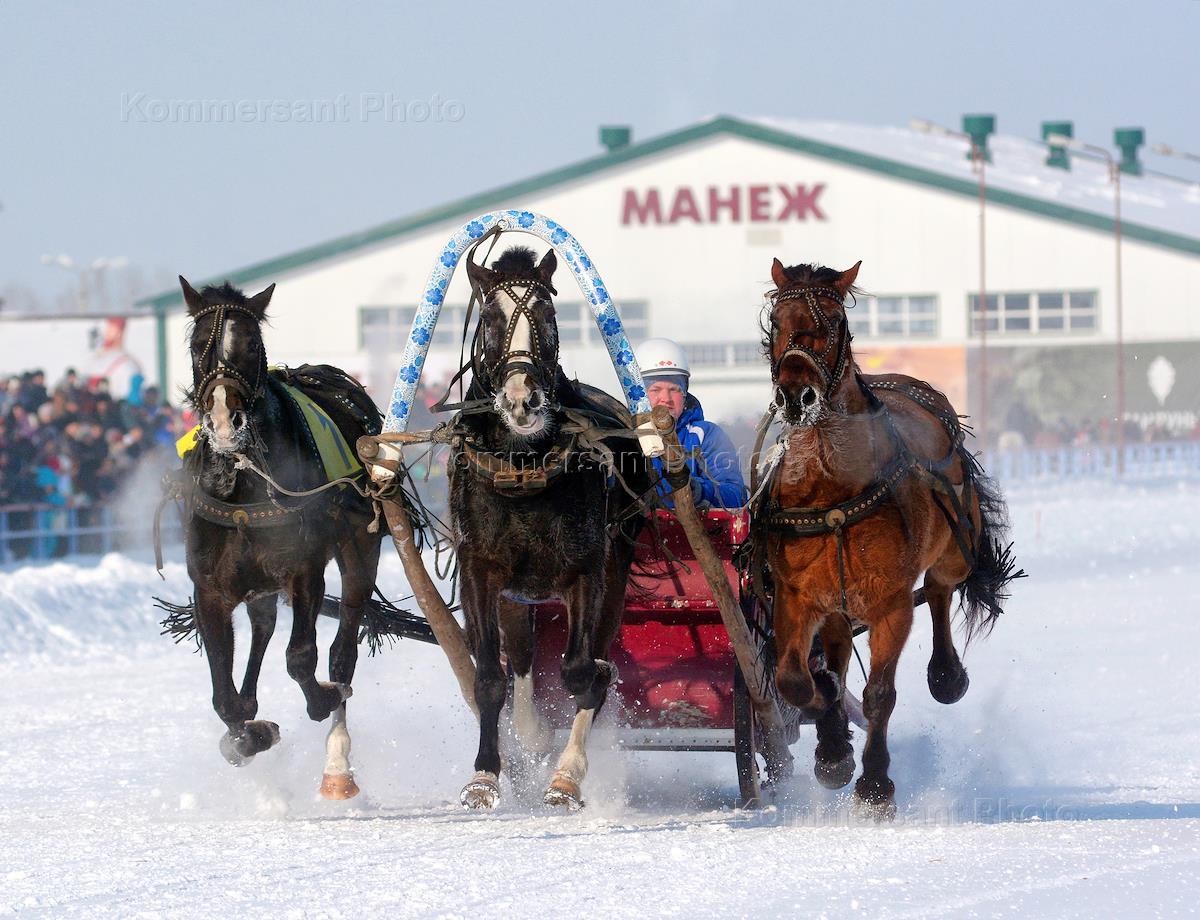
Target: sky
<point>420,104</point>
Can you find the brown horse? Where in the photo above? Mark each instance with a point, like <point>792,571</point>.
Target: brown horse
<point>873,488</point>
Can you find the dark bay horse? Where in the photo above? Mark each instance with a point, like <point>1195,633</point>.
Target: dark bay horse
<point>536,517</point>
<point>246,542</point>
<point>873,490</point>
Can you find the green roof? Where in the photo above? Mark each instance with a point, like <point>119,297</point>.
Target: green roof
<point>721,125</point>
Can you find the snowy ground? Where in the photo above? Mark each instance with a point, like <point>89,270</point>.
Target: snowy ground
<point>1065,783</point>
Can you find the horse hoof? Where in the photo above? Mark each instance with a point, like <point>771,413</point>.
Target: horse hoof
<point>948,685</point>
<point>881,812</point>
<point>482,792</point>
<point>254,738</point>
<point>834,774</point>
<point>229,750</point>
<point>338,787</point>
<point>563,792</point>
<point>876,801</point>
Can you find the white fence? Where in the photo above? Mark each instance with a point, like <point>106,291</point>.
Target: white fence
<point>46,531</point>
<point>1154,460</point>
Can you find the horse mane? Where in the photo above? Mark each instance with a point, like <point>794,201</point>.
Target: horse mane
<point>213,294</point>
<point>801,273</point>
<point>817,276</point>
<point>517,262</point>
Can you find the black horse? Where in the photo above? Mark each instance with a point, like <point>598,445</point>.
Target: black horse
<point>536,517</point>
<point>247,542</point>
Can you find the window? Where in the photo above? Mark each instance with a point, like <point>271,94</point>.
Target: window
<point>721,354</point>
<point>894,316</point>
<point>707,354</point>
<point>389,327</point>
<point>1021,313</point>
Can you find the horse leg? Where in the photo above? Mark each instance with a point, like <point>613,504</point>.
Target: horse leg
<point>359,566</point>
<point>491,688</point>
<point>586,677</point>
<point>875,793</point>
<point>243,738</point>
<point>947,677</point>
<point>321,698</point>
<point>834,756</point>
<point>517,628</point>
<point>262,612</point>
<point>797,621</point>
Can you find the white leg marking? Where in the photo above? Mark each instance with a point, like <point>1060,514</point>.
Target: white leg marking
<point>531,730</point>
<point>337,745</point>
<point>573,764</point>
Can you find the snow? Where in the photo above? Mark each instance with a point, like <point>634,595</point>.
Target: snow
<point>1018,165</point>
<point>1064,784</point>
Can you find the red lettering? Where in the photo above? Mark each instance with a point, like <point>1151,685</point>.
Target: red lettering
<point>684,206</point>
<point>643,211</point>
<point>733,204</point>
<point>803,202</point>
<point>760,203</point>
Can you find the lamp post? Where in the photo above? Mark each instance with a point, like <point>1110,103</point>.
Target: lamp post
<point>94,271</point>
<point>1114,176</point>
<point>1166,150</point>
<point>978,165</point>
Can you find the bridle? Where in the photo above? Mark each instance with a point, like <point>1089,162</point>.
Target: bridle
<point>215,372</point>
<point>510,359</point>
<point>830,362</point>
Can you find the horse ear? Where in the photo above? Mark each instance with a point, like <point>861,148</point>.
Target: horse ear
<point>779,275</point>
<point>546,268</point>
<point>190,297</point>
<point>481,276</point>
<point>846,279</point>
<point>258,303</point>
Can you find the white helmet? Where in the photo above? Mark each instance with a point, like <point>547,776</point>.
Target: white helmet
<point>662,357</point>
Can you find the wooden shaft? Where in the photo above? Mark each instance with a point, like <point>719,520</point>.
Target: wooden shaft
<point>445,627</point>
<point>744,648</point>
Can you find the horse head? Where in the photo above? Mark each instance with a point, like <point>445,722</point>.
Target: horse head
<point>229,364</point>
<point>808,338</point>
<point>515,357</point>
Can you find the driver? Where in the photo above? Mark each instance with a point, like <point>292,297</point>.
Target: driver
<point>716,474</point>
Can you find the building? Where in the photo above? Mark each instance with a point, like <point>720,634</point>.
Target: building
<point>684,227</point>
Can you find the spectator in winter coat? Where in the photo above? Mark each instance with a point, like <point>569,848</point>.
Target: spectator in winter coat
<point>716,475</point>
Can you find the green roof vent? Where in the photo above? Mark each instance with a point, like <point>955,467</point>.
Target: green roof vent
<point>1129,140</point>
<point>1058,154</point>
<point>615,137</point>
<point>978,127</point>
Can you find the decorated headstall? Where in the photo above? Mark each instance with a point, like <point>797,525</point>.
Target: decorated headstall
<point>523,294</point>
<point>213,369</point>
<point>830,361</point>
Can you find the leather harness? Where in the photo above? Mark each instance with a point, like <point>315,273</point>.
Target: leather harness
<point>953,501</point>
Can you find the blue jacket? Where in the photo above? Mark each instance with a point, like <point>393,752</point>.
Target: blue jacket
<point>717,478</point>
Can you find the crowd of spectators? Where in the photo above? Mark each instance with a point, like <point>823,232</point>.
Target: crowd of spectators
<point>74,445</point>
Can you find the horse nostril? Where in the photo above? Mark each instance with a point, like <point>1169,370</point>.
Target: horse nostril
<point>780,398</point>
<point>535,400</point>
<point>238,418</point>
<point>808,397</point>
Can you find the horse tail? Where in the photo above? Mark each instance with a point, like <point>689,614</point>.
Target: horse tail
<point>985,590</point>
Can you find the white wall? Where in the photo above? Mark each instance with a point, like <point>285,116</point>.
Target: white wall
<point>705,282</point>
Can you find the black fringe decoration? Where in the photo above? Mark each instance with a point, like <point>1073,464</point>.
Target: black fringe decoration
<point>180,622</point>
